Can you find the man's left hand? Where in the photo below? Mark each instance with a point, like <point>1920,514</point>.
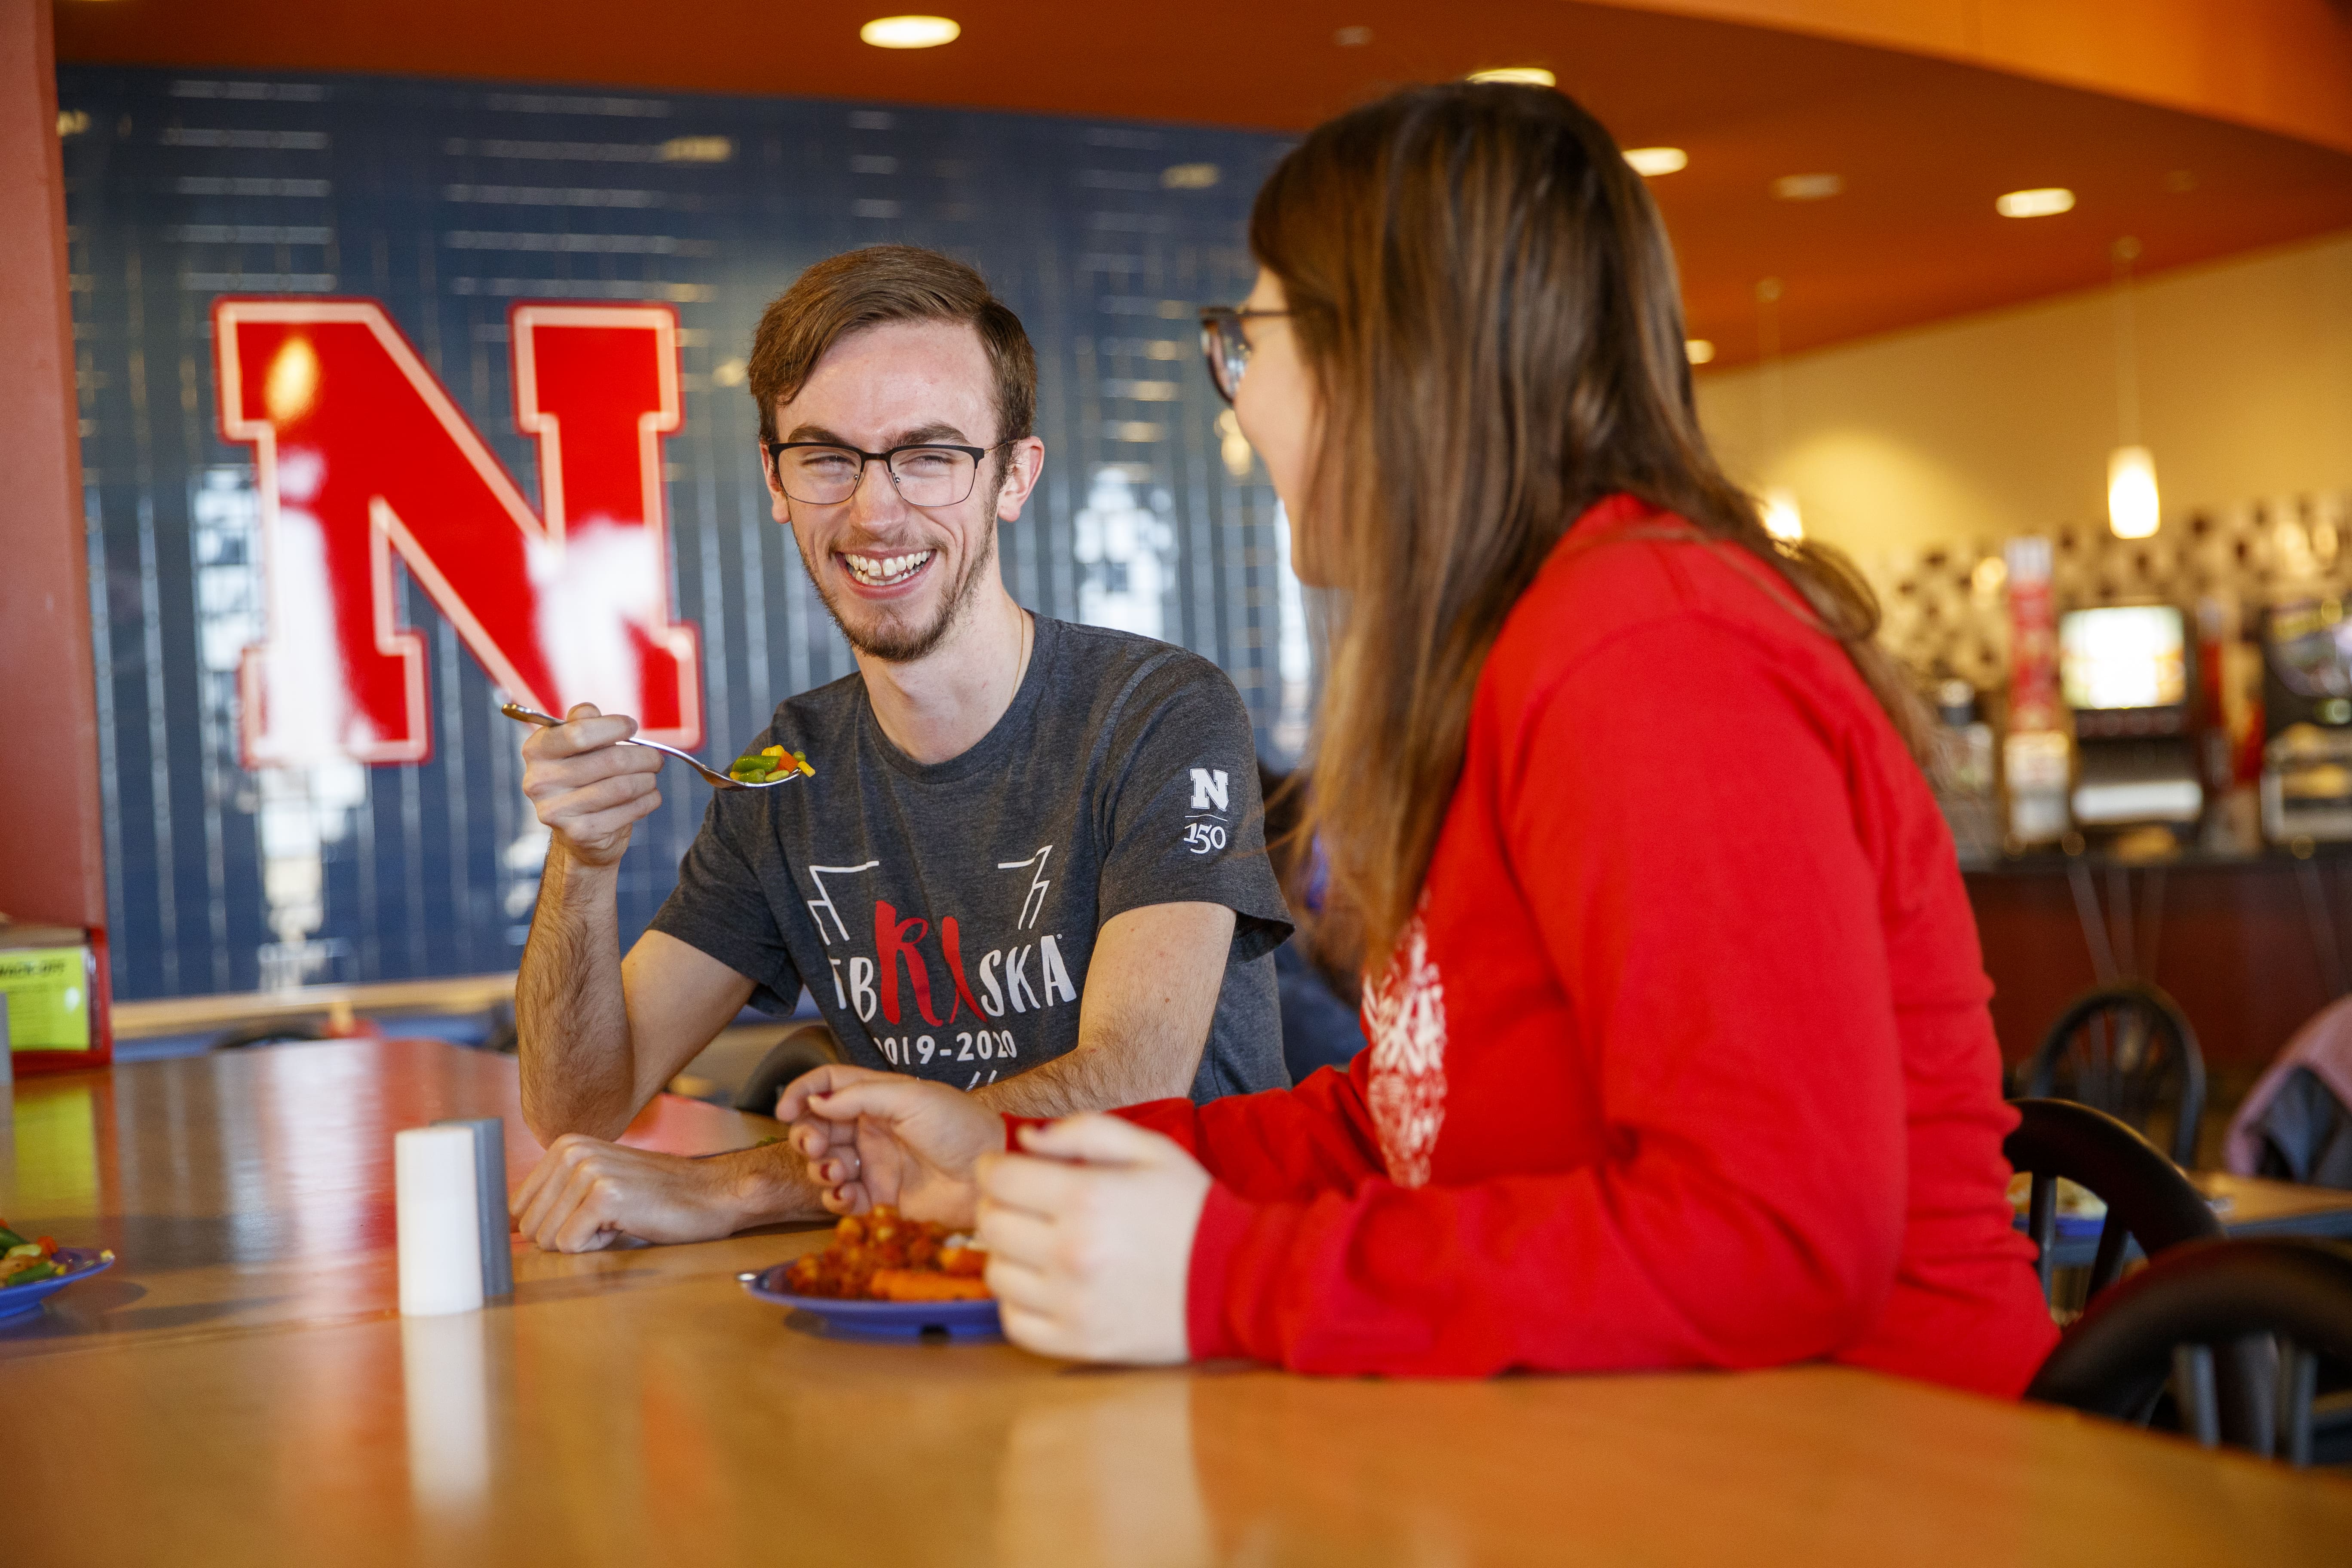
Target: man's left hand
<point>1089,1240</point>
<point>587,1194</point>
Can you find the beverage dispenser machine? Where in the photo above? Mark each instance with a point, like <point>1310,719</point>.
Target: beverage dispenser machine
<point>2124,671</point>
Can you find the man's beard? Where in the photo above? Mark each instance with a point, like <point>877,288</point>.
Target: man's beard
<point>894,643</point>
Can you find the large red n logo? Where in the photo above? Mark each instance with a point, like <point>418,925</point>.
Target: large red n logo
<point>361,454</point>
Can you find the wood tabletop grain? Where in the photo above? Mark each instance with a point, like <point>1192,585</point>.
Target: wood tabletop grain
<point>248,1188</point>
<point>240,1390</point>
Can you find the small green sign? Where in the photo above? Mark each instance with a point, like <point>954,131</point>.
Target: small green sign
<point>48,998</point>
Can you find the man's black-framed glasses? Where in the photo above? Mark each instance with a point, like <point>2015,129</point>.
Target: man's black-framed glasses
<point>1225,341</point>
<point>824,473</point>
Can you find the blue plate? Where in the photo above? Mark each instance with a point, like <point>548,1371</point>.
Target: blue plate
<point>2071,1227</point>
<point>81,1263</point>
<point>897,1323</point>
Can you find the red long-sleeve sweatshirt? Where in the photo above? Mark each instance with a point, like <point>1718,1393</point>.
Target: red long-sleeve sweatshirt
<point>1684,1062</point>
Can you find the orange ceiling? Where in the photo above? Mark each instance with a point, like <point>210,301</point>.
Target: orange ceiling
<point>1922,144</point>
<point>2275,65</point>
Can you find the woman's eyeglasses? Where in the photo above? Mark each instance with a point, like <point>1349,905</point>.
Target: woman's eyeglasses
<point>1224,340</point>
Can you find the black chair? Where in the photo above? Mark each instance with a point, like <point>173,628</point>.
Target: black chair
<point>2166,1322</point>
<point>2127,1050</point>
<point>2149,1199</point>
<point>803,1049</point>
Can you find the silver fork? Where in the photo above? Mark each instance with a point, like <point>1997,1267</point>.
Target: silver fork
<point>515,710</point>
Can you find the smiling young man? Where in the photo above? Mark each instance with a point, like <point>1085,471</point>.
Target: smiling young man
<point>1030,862</point>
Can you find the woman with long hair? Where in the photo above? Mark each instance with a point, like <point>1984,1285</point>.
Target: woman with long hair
<point>1680,1054</point>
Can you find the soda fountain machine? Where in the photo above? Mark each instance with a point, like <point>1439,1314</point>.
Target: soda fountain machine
<point>2123,671</point>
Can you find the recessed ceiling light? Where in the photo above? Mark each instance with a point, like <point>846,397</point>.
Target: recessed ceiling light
<point>1808,187</point>
<point>909,32</point>
<point>1699,350</point>
<point>2044,202</point>
<point>1525,76</point>
<point>1352,37</point>
<point>1652,160</point>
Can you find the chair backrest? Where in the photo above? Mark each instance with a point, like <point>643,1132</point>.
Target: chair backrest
<point>2233,1297</point>
<point>2127,1050</point>
<point>804,1048</point>
<point>2148,1199</point>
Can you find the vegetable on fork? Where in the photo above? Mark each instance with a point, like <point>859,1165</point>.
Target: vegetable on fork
<point>762,766</point>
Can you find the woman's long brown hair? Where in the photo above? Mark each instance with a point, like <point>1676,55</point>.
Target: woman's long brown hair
<point>1487,300</point>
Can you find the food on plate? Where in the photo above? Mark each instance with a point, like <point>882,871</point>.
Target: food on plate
<point>2074,1202</point>
<point>880,1257</point>
<point>24,1262</point>
<point>923,1284</point>
<point>763,766</point>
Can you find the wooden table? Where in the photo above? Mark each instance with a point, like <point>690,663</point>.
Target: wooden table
<point>240,1389</point>
<point>2246,1206</point>
<point>2251,1205</point>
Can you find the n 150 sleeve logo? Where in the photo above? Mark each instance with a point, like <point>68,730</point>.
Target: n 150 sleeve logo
<point>1204,832</point>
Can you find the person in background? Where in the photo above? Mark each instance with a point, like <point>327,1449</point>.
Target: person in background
<point>1029,864</point>
<point>1680,1052</point>
<point>1318,969</point>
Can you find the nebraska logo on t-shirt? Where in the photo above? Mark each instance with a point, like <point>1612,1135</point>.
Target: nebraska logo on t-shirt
<point>1204,823</point>
<point>1007,983</point>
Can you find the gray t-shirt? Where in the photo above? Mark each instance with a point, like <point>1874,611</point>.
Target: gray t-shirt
<point>943,915</point>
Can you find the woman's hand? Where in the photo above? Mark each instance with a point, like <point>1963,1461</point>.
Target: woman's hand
<point>875,1138</point>
<point>1090,1247</point>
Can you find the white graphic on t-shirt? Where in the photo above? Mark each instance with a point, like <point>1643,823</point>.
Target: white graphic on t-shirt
<point>1404,1017</point>
<point>992,1000</point>
<point>1034,904</point>
<point>1016,978</point>
<point>1054,972</point>
<point>824,900</point>
<point>1211,796</point>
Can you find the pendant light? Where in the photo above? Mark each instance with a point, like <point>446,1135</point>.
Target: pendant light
<point>1782,519</point>
<point>2131,507</point>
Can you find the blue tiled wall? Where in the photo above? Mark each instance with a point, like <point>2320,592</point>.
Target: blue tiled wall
<point>449,201</point>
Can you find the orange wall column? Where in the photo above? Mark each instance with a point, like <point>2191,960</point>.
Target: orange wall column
<point>52,848</point>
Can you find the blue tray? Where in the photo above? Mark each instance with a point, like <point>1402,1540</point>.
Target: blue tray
<point>892,1322</point>
<point>82,1262</point>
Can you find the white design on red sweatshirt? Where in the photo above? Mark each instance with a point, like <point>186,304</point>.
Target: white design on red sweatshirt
<point>1404,1019</point>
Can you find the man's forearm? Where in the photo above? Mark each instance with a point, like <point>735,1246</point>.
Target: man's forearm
<point>1097,1076</point>
<point>571,1020</point>
<point>1150,1000</point>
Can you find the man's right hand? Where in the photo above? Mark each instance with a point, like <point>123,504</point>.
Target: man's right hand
<point>586,786</point>
<point>586,1195</point>
<point>875,1138</point>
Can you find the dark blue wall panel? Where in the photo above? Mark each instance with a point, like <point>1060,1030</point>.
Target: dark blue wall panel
<point>449,202</point>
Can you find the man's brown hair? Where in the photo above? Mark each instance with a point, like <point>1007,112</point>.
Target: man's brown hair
<point>859,289</point>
